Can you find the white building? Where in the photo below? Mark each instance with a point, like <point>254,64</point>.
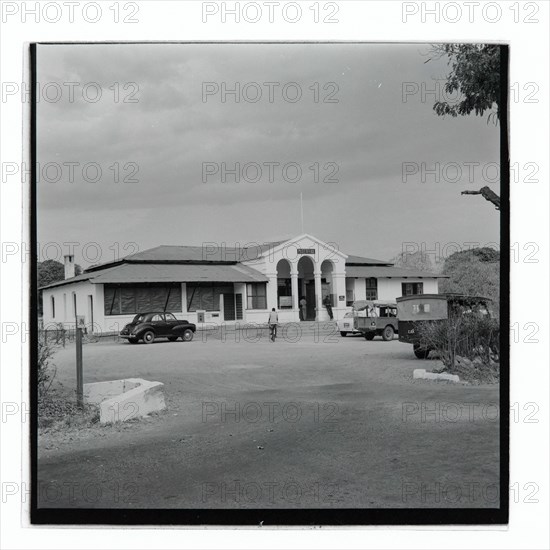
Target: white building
<point>215,283</point>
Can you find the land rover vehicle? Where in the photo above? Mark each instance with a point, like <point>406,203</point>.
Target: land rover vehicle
<point>157,324</point>
<point>380,319</point>
<point>346,325</point>
<point>416,310</point>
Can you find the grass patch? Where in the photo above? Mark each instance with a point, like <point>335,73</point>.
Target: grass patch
<point>59,412</point>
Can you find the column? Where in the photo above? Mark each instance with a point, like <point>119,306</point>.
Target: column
<point>318,295</point>
<point>294,288</point>
<point>339,288</point>
<point>272,291</point>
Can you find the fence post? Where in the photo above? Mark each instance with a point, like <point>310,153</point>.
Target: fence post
<point>79,377</point>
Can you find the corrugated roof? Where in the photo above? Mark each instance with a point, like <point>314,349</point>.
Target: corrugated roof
<point>387,271</point>
<point>208,252</point>
<point>217,253</point>
<point>360,260</point>
<point>169,273</point>
<point>178,273</point>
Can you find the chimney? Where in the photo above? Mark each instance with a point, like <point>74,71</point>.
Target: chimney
<point>69,266</point>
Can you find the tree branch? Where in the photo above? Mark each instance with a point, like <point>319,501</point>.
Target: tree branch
<point>487,194</point>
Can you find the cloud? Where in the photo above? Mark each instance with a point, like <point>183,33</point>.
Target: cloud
<point>172,130</point>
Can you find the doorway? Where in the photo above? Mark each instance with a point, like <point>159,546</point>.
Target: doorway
<point>310,299</point>
<point>229,307</point>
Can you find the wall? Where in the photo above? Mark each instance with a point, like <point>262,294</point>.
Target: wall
<point>390,289</point>
<point>64,308</point>
<point>288,251</point>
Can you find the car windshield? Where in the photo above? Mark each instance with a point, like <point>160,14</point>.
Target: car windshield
<point>348,314</point>
<point>139,318</point>
<point>170,317</point>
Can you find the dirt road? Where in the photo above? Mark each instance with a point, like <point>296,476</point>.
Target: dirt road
<point>308,424</point>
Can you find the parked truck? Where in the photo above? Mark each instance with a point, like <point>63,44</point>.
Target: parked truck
<point>380,319</point>
<point>415,311</point>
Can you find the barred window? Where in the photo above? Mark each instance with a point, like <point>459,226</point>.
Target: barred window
<point>132,299</point>
<point>410,289</point>
<point>256,296</point>
<point>371,284</point>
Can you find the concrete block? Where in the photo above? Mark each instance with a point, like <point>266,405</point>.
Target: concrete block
<point>122,400</point>
<point>422,374</point>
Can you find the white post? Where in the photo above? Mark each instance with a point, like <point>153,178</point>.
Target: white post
<point>294,290</point>
<point>318,295</point>
<point>272,291</point>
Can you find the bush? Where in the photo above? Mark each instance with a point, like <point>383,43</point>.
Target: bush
<point>46,369</point>
<point>469,336</point>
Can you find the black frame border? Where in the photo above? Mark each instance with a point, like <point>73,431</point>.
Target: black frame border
<point>279,517</point>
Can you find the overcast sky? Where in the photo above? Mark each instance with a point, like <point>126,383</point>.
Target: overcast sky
<point>168,131</point>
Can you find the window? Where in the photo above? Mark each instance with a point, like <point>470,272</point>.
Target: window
<point>206,296</point>
<point>350,298</point>
<point>131,299</point>
<point>170,317</point>
<point>372,288</point>
<point>256,296</point>
<point>410,289</point>
<point>421,308</point>
<point>53,307</point>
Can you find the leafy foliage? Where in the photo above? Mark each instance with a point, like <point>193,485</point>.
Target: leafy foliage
<point>52,271</point>
<point>468,344</point>
<point>414,260</point>
<point>474,272</point>
<point>474,74</point>
<point>46,369</point>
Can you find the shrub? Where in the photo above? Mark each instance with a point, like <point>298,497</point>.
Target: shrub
<point>46,369</point>
<point>468,335</point>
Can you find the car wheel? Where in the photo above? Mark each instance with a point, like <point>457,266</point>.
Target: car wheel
<point>172,338</point>
<point>388,333</point>
<point>149,337</point>
<point>187,335</point>
<point>343,333</point>
<point>421,352</point>
<point>369,335</point>
<point>133,340</point>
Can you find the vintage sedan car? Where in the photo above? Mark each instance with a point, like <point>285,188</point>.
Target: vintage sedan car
<point>157,324</point>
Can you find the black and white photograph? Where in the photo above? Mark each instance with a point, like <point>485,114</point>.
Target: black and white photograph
<point>274,274</point>
<point>270,283</point>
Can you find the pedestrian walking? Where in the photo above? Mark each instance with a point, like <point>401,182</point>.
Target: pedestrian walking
<point>303,308</point>
<point>272,322</point>
<point>328,304</point>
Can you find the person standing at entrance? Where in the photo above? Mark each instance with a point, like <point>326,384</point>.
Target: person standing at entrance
<point>272,322</point>
<point>303,309</point>
<point>328,304</point>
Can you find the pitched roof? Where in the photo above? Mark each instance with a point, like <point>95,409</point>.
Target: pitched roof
<point>360,260</point>
<point>168,273</point>
<point>389,271</point>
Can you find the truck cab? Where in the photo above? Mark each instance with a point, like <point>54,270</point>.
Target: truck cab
<point>380,319</point>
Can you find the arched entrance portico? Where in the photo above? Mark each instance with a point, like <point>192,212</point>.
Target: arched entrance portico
<point>306,286</point>
<point>327,285</point>
<point>284,285</point>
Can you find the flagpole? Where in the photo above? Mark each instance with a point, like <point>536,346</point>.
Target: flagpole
<point>302,212</point>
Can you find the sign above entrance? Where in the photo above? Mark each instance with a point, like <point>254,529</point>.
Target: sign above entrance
<point>306,251</point>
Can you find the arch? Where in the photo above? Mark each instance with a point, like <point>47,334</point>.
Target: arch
<point>306,288</point>
<point>284,285</point>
